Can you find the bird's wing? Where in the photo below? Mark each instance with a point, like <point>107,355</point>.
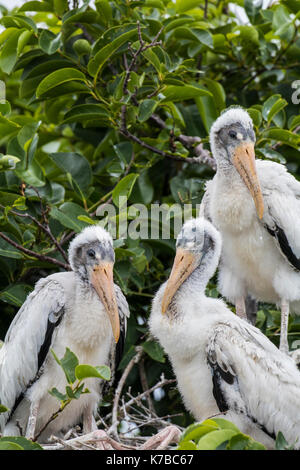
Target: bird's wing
<point>27,342</point>
<point>281,192</point>
<point>116,350</point>
<point>124,313</point>
<point>251,376</point>
<point>205,202</point>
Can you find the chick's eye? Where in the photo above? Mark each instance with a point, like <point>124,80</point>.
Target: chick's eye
<point>232,134</point>
<point>91,253</point>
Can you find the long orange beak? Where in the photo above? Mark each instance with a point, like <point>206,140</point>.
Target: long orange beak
<point>184,264</point>
<point>244,162</point>
<point>103,282</point>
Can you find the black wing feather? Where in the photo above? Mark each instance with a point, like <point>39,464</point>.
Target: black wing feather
<point>53,321</point>
<point>281,238</point>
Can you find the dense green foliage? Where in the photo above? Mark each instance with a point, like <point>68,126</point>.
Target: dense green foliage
<point>97,100</point>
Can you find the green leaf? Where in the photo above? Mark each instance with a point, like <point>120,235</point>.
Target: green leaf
<point>76,165</point>
<point>272,106</point>
<point>214,439</point>
<point>7,445</point>
<point>59,77</point>
<point>15,294</point>
<point>86,112</point>
<point>282,135</point>
<point>84,371</point>
<point>146,109</point>
<point>8,250</point>
<point>55,393</point>
<point>36,6</point>
<point>3,408</point>
<point>124,188</point>
<point>152,57</point>
<point>24,443</point>
<point>197,430</point>
<point>68,363</point>
<point>8,162</point>
<point>198,35</point>
<point>225,424</point>
<point>187,445</point>
<point>154,350</point>
<point>8,55</point>
<point>185,5</point>
<point>68,214</point>
<point>180,93</point>
<point>49,42</point>
<point>281,443</point>
<point>96,63</point>
<point>103,7</point>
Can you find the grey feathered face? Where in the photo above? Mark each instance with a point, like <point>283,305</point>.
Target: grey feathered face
<point>91,254</point>
<point>94,261</point>
<point>193,245</point>
<point>233,135</point>
<point>238,142</point>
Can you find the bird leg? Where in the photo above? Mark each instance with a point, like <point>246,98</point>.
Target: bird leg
<point>33,412</point>
<point>284,345</point>
<point>89,423</point>
<point>240,308</point>
<point>162,440</point>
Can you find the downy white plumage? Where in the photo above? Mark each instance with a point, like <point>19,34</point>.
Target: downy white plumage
<point>82,310</point>
<point>255,205</point>
<point>223,364</point>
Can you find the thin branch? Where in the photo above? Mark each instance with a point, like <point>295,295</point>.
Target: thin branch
<point>135,54</point>
<point>205,9</point>
<point>138,398</point>
<point>45,229</point>
<point>204,156</point>
<point>44,258</point>
<point>134,360</point>
<point>145,386</point>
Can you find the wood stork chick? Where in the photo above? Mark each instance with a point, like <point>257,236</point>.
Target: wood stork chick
<point>223,364</point>
<point>82,310</point>
<point>255,204</point>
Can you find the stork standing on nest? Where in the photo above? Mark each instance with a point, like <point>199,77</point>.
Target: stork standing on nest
<point>223,364</point>
<point>255,204</point>
<point>82,310</point>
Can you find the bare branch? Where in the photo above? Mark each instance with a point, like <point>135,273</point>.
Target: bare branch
<point>134,360</point>
<point>135,54</point>
<point>45,228</point>
<point>44,258</point>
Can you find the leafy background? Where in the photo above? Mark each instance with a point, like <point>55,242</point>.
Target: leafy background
<point>99,99</point>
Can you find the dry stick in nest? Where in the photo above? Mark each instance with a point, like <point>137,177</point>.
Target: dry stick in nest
<point>137,400</point>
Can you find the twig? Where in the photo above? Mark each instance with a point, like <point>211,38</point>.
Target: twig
<point>143,47</point>
<point>205,9</point>
<point>134,360</point>
<point>44,258</point>
<point>145,385</point>
<point>126,133</point>
<point>45,229</point>
<point>139,397</point>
